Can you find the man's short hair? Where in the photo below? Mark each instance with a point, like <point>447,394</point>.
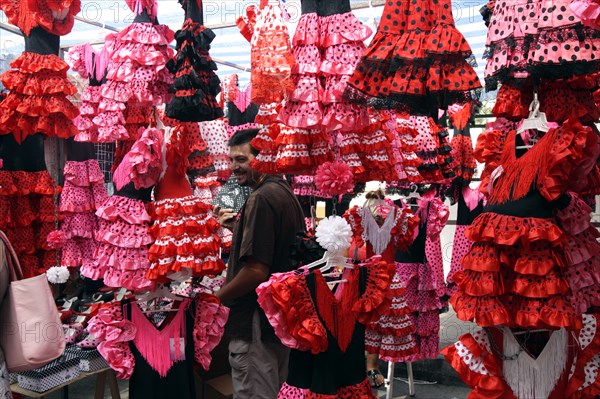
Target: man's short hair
<point>242,137</point>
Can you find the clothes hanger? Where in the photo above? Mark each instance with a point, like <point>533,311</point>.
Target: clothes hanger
<point>535,121</point>
<point>161,292</point>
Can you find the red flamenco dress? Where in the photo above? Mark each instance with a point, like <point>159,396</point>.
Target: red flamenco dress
<point>516,273</point>
<point>185,239</point>
<point>91,65</point>
<point>83,193</point>
<point>392,335</point>
<point>27,203</point>
<point>137,77</point>
<point>420,269</point>
<point>326,330</point>
<point>493,362</point>
<point>121,258</point>
<point>196,83</point>
<point>37,102</point>
<point>418,61</point>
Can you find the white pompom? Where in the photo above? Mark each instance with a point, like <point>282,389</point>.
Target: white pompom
<point>58,274</point>
<point>334,234</point>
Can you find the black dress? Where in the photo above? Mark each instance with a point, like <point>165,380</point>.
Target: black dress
<point>328,328</point>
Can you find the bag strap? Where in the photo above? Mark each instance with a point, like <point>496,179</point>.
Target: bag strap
<point>12,261</point>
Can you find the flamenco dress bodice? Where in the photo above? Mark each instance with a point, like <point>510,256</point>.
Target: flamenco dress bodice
<point>326,8</point>
<point>326,372</point>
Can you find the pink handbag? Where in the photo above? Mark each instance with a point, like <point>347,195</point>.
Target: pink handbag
<point>31,333</point>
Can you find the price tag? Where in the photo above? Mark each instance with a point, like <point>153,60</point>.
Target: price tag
<point>177,349</point>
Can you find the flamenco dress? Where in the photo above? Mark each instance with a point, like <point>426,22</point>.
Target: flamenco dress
<point>140,349</point>
<point>491,360</point>
<point>369,152</point>
<point>90,65</point>
<point>470,205</point>
<point>581,249</point>
<point>421,273</point>
<point>462,155</point>
<point>417,62</point>
<point>392,335</point>
<point>137,78</point>
<point>326,330</point>
<point>184,231</point>
<point>38,85</point>
<point>241,112</point>
<point>214,134</point>
<point>121,258</point>
<point>196,85</point>
<point>271,57</point>
<point>538,40</point>
<point>432,148</point>
<point>82,195</point>
<point>515,274</point>
<point>28,210</point>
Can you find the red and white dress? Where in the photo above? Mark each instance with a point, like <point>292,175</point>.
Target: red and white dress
<point>392,335</point>
<point>185,230</point>
<point>567,367</point>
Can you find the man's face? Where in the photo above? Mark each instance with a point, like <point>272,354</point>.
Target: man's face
<point>239,163</point>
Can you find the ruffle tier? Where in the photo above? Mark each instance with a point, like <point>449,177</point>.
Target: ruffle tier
<point>37,102</point>
<point>196,85</point>
<point>185,237</point>
<point>559,100</point>
<point>136,76</point>
<point>27,216</point>
<point>582,254</point>
<point>55,17</point>
<point>358,391</point>
<point>121,257</point>
<point>514,274</point>
<point>415,70</point>
<point>539,40</point>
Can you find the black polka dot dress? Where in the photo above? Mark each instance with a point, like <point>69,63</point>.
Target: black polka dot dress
<point>417,60</point>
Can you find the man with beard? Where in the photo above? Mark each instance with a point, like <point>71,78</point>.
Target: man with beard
<point>265,229</point>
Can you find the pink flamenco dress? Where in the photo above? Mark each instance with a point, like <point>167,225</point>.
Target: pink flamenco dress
<point>158,355</point>
<point>470,205</point>
<point>493,361</point>
<point>90,65</point>
<point>37,101</point>
<point>432,148</point>
<point>421,274</point>
<point>82,195</point>
<point>121,258</point>
<point>540,41</point>
<point>392,335</point>
<point>326,330</point>
<point>185,231</point>
<point>137,77</point>
<point>196,85</point>
<point>527,259</point>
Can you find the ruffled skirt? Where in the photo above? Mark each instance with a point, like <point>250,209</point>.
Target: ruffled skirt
<point>514,275</point>
<point>37,102</point>
<point>186,243</point>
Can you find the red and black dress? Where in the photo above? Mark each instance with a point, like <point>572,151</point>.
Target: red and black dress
<point>196,84</point>
<point>515,273</point>
<point>326,330</point>
<point>417,60</point>
<point>27,203</point>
